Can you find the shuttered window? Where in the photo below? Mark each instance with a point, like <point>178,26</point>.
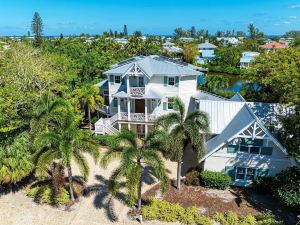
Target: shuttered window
<point>232,148</point>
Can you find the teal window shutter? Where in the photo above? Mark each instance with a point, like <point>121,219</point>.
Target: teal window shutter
<point>164,106</point>
<point>232,148</point>
<point>230,170</point>
<point>115,102</point>
<point>176,81</point>
<point>165,81</point>
<point>258,142</point>
<point>262,172</point>
<point>266,151</point>
<point>111,79</point>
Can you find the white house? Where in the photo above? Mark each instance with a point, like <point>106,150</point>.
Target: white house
<point>186,39</point>
<point>122,41</point>
<point>247,59</point>
<point>143,88</point>
<point>207,52</point>
<point>229,40</point>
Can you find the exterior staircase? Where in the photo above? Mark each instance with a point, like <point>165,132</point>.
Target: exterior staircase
<point>106,126</point>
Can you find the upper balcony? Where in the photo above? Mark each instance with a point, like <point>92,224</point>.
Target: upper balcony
<point>137,91</point>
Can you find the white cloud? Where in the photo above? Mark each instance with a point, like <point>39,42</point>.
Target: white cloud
<point>296,6</point>
<point>286,22</point>
<point>293,17</point>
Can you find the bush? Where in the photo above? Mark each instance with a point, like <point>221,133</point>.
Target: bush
<point>231,218</point>
<point>286,187</point>
<point>268,219</point>
<point>192,178</point>
<point>170,212</point>
<point>45,194</point>
<point>262,185</point>
<point>215,180</point>
<point>107,140</point>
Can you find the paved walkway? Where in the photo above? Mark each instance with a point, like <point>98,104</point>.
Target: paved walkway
<point>17,209</point>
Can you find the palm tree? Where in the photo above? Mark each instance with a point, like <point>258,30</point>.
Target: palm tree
<point>47,110</point>
<point>175,129</point>
<point>63,144</point>
<point>135,155</point>
<point>88,98</point>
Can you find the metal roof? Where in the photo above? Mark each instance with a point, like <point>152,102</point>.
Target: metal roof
<point>151,94</point>
<point>121,94</point>
<point>237,98</point>
<point>206,44</point>
<point>156,65</point>
<point>103,84</point>
<point>203,95</point>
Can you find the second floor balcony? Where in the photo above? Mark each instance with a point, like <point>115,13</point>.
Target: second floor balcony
<point>137,91</point>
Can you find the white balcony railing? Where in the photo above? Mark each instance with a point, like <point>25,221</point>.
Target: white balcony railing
<point>137,91</point>
<point>137,117</point>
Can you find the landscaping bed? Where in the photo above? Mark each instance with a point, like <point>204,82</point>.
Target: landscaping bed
<point>209,201</point>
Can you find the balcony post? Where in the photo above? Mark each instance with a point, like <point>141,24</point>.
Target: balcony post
<point>128,108</point>
<point>146,130</point>
<point>127,83</point>
<point>146,110</point>
<point>119,109</point>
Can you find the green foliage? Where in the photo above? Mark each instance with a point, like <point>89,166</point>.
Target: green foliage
<point>262,185</point>
<point>286,187</point>
<point>268,219</point>
<point>168,212</point>
<point>224,69</point>
<point>231,218</point>
<point>228,56</point>
<point>45,195</point>
<point>215,180</point>
<point>110,141</point>
<point>15,159</point>
<point>192,178</point>
<point>190,52</point>
<point>132,152</point>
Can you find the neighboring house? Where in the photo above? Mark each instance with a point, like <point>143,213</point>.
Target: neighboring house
<point>122,41</point>
<point>170,47</point>
<point>141,89</point>
<point>273,45</point>
<point>247,59</point>
<point>168,44</point>
<point>186,39</point>
<point>207,52</point>
<point>229,40</point>
<point>286,41</point>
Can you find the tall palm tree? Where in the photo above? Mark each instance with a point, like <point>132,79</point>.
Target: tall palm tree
<point>47,110</point>
<point>63,144</point>
<point>175,129</point>
<point>135,155</point>
<point>88,98</point>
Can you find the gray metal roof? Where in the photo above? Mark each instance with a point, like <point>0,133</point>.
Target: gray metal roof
<point>241,120</point>
<point>237,98</point>
<point>121,94</point>
<point>206,44</point>
<point>103,84</point>
<point>203,95</point>
<point>156,65</point>
<point>151,94</point>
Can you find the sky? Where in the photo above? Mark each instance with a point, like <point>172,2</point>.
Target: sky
<point>158,17</point>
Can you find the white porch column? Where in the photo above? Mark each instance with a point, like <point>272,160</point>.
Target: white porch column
<point>120,127</point>
<point>146,110</point>
<point>128,109</point>
<point>129,126</point>
<point>119,109</point>
<point>127,83</point>
<point>146,130</point>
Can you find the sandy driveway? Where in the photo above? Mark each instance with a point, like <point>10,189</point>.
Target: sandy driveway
<point>17,209</point>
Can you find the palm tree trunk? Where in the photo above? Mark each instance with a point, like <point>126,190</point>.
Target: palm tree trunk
<point>140,187</point>
<point>178,174</point>
<point>70,184</point>
<point>89,114</point>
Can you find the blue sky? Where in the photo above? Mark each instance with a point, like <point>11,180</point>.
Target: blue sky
<point>149,16</point>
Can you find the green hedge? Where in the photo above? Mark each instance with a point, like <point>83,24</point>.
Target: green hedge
<point>223,69</point>
<point>45,194</point>
<point>286,187</point>
<point>170,212</point>
<point>215,180</point>
<point>107,140</point>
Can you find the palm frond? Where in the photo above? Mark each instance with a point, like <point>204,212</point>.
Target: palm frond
<point>200,119</point>
<point>181,108</point>
<point>168,120</point>
<point>128,137</point>
<point>44,162</point>
<point>82,164</point>
<point>110,155</point>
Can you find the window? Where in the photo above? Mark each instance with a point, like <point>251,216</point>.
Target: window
<point>246,174</point>
<point>115,102</point>
<point>243,148</point>
<point>141,81</point>
<point>170,103</point>
<point>254,150</point>
<point>117,79</point>
<point>105,92</point>
<point>171,81</point>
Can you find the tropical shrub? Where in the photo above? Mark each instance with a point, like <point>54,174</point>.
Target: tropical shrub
<point>172,212</point>
<point>286,187</point>
<point>262,185</point>
<point>192,178</point>
<point>215,180</point>
<point>44,194</point>
<point>268,219</point>
<point>107,140</point>
<point>231,218</point>
<point>16,159</point>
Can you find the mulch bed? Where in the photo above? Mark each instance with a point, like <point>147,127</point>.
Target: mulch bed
<point>242,201</point>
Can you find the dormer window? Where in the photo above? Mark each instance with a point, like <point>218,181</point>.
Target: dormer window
<point>117,79</point>
<point>171,81</point>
